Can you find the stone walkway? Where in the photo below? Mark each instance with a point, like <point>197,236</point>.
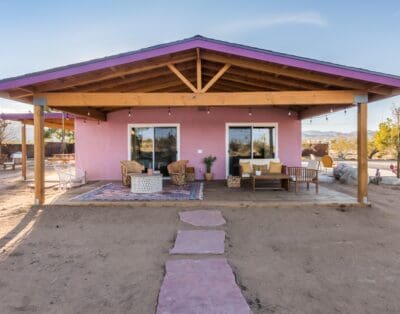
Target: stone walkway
<point>199,242</point>
<point>200,285</point>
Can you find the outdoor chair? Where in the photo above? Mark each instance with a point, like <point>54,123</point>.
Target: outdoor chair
<point>69,176</point>
<point>177,172</point>
<point>127,168</point>
<point>308,174</point>
<point>327,162</point>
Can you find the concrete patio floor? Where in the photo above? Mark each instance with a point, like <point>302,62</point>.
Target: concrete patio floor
<point>216,193</point>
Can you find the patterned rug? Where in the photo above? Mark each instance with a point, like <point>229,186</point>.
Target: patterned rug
<point>119,192</point>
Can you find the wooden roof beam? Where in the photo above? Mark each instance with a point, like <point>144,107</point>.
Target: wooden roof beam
<point>216,77</point>
<point>182,78</point>
<point>198,71</point>
<point>293,98</point>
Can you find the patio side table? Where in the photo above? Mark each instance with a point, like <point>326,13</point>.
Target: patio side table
<point>146,183</point>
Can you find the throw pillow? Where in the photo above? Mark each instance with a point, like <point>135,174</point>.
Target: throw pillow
<point>246,167</point>
<point>262,168</point>
<point>275,167</point>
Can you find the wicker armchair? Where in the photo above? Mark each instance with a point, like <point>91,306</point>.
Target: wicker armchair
<point>306,175</point>
<point>177,172</point>
<point>128,167</point>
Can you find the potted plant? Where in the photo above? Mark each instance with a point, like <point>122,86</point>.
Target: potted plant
<point>208,161</point>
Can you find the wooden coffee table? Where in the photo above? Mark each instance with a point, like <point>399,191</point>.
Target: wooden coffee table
<point>281,177</point>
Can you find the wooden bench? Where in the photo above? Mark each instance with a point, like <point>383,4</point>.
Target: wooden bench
<point>10,164</point>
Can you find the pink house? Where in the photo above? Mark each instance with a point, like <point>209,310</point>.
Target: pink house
<point>194,98</point>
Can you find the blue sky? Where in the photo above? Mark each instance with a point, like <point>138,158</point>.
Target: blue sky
<point>42,34</point>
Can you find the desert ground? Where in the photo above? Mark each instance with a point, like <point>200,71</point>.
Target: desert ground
<point>111,259</point>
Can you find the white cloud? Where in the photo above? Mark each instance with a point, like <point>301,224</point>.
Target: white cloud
<point>268,21</point>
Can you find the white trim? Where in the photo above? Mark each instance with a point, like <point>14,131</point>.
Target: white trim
<point>154,125</point>
<point>249,124</point>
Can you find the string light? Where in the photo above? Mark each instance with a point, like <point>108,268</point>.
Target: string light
<point>88,113</point>
<point>345,111</point>
<point>250,112</point>
<point>129,113</point>
<point>289,113</point>
<point>326,118</point>
<point>310,121</point>
<point>169,111</point>
<point>331,110</point>
<point>208,111</point>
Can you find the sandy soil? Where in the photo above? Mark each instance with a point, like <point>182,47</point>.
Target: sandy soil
<point>111,260</point>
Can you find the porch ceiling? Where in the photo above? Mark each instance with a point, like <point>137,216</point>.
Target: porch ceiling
<point>198,65</point>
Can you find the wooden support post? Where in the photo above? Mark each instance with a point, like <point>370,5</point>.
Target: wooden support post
<point>362,153</point>
<point>39,153</point>
<point>198,70</point>
<point>23,150</point>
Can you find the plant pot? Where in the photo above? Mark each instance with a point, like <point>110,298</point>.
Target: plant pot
<point>208,176</point>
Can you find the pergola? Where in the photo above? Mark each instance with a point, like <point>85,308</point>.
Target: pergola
<point>53,120</point>
<point>200,72</point>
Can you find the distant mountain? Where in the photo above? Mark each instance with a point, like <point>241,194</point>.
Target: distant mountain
<point>328,135</point>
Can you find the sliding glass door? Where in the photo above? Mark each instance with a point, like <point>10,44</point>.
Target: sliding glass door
<point>154,146</point>
<point>250,142</point>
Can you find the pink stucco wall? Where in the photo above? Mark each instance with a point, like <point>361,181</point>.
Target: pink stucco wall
<point>100,146</point>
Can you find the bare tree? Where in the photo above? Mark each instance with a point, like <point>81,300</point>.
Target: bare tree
<point>396,114</point>
<point>6,133</point>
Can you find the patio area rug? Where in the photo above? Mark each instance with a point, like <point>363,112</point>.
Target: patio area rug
<point>119,192</point>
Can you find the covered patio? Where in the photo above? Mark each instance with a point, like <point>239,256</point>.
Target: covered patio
<point>200,87</point>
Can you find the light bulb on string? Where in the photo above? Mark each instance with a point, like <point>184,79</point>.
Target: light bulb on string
<point>326,118</point>
<point>129,113</point>
<point>310,121</point>
<point>289,113</point>
<point>331,110</point>
<point>208,111</point>
<point>169,111</point>
<point>345,111</point>
<point>250,112</point>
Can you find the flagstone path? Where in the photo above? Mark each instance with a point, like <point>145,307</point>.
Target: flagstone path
<point>200,285</point>
<point>199,242</point>
<point>203,218</point>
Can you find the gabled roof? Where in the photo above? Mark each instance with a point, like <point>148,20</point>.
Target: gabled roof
<point>204,43</point>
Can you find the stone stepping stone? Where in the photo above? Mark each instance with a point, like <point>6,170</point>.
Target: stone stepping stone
<point>199,242</point>
<point>203,218</point>
<point>200,286</point>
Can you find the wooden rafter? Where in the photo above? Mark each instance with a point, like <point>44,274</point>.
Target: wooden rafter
<point>69,100</point>
<point>248,75</point>
<point>131,79</point>
<point>260,85</point>
<point>215,78</point>
<point>99,76</point>
<point>291,72</point>
<point>94,114</point>
<point>182,77</point>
